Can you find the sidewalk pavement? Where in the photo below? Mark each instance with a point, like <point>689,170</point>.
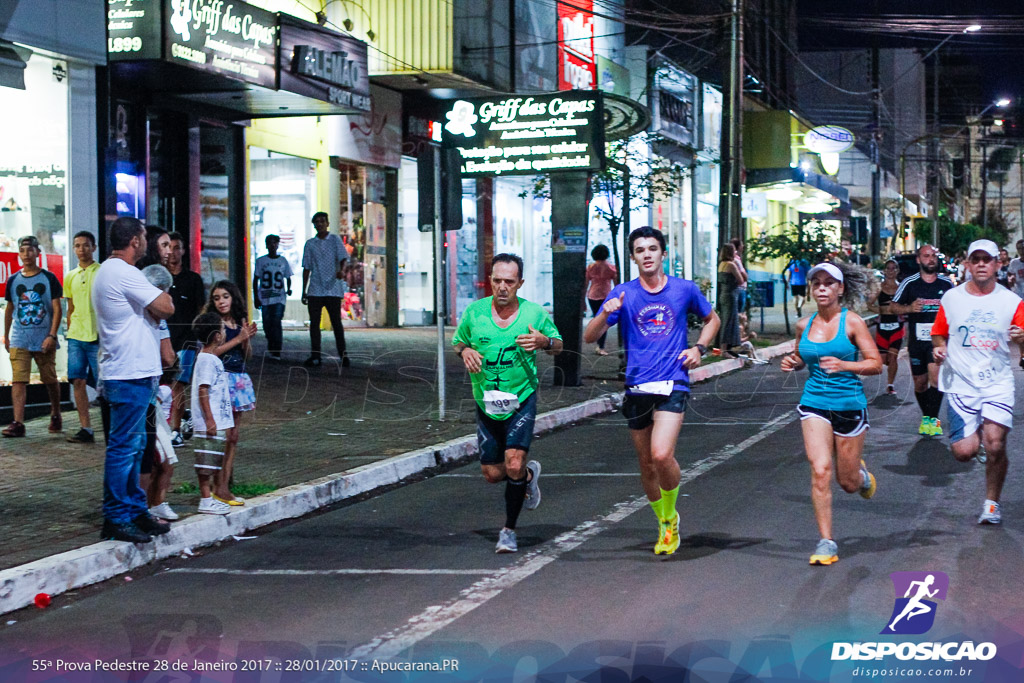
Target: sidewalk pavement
<point>317,436</point>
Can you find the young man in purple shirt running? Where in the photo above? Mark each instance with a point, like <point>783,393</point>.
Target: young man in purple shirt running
<point>653,310</point>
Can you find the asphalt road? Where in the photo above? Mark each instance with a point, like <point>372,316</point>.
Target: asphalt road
<point>409,578</point>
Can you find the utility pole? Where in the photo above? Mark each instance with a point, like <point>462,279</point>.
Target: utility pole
<point>732,148</point>
<point>936,167</point>
<point>876,156</point>
<point>984,183</point>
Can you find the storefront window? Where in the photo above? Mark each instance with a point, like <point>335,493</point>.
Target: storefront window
<point>33,163</point>
<point>522,225</point>
<point>705,243</point>
<point>353,234</point>
<point>468,287</point>
<point>216,159</point>
<point>282,201</point>
<point>34,158</point>
<point>415,253</point>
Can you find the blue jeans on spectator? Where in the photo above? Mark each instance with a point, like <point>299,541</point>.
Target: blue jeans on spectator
<point>272,315</point>
<point>83,360</point>
<point>123,498</point>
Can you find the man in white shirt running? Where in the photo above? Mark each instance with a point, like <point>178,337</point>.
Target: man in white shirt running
<point>971,335</point>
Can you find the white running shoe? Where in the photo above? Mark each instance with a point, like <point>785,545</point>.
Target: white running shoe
<point>507,542</point>
<point>533,488</point>
<point>990,513</point>
<point>164,511</point>
<point>211,506</point>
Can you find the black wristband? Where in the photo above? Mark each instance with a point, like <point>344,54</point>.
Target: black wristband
<point>703,349</point>
<point>551,343</point>
<point>459,352</point>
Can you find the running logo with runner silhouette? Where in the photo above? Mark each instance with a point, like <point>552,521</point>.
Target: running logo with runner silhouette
<point>916,592</point>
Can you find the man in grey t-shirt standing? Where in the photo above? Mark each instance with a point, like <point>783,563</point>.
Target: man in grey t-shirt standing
<point>31,321</point>
<point>323,272</point>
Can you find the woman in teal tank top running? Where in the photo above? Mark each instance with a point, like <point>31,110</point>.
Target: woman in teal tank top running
<point>833,409</point>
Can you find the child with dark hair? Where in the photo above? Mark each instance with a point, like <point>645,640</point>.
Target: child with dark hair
<point>212,415</point>
<point>226,301</point>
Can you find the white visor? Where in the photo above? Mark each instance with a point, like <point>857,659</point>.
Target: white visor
<point>826,267</point>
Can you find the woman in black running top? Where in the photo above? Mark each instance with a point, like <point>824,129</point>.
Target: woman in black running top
<point>889,336</point>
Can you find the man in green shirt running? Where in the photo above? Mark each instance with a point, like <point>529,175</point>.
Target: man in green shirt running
<point>498,339</point>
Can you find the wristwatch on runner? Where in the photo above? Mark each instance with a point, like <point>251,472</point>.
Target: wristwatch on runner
<point>703,349</point>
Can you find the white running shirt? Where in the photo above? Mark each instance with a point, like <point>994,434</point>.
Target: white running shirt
<point>977,329</point>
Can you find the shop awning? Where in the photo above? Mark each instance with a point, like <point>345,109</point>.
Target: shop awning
<point>12,68</point>
<point>802,184</point>
<point>278,66</point>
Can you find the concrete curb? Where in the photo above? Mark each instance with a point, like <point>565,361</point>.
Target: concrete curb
<point>101,561</point>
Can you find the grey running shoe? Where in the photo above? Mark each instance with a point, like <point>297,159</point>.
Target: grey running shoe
<point>826,553</point>
<point>990,514</point>
<point>982,454</point>
<point>506,542</point>
<point>533,488</point>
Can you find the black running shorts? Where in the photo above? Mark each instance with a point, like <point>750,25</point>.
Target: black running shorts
<point>494,437</point>
<point>639,409</point>
<point>920,357</point>
<point>844,422</point>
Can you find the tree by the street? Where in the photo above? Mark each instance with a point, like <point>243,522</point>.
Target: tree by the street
<point>813,242</point>
<point>652,178</point>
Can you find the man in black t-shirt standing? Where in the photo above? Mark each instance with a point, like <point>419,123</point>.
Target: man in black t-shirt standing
<point>918,298</point>
<point>188,295</point>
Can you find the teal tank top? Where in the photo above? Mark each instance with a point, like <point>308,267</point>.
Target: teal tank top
<point>836,391</point>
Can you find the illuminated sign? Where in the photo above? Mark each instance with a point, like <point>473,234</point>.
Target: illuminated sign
<point>324,65</point>
<point>229,38</point>
<point>828,140</point>
<point>245,43</point>
<point>527,135</point>
<point>577,67</point>
<point>133,29</point>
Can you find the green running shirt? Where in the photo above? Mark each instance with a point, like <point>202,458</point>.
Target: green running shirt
<point>506,366</point>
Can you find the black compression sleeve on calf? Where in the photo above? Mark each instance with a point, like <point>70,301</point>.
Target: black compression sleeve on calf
<point>515,494</point>
<point>922,401</point>
<point>934,402</point>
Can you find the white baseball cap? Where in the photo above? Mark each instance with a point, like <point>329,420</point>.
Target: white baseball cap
<point>826,267</point>
<point>987,246</point>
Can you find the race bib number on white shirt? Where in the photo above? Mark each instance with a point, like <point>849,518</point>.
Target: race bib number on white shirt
<point>984,373</point>
<point>663,388</point>
<point>500,402</point>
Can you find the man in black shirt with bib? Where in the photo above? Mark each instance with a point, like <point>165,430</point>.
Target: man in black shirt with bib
<point>918,298</point>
